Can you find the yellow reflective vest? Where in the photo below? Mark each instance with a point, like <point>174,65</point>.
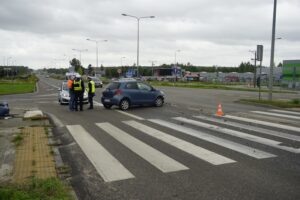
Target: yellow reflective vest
<point>93,89</point>
<point>77,85</point>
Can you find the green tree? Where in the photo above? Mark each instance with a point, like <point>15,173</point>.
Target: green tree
<point>91,70</point>
<point>77,66</point>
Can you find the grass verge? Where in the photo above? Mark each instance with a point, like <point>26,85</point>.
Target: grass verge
<point>18,86</point>
<point>201,85</point>
<point>294,103</point>
<point>36,189</point>
<point>18,139</point>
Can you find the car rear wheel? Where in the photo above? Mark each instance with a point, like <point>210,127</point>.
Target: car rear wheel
<point>124,104</point>
<point>159,102</point>
<point>107,106</point>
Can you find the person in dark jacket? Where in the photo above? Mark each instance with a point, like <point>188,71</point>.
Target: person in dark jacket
<point>91,91</point>
<point>78,88</point>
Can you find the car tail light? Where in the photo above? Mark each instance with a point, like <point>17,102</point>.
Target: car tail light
<point>118,92</point>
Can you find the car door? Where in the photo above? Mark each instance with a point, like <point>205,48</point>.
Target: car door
<point>147,94</point>
<point>132,92</point>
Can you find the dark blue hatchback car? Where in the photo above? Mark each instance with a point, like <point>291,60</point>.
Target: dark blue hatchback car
<point>130,92</point>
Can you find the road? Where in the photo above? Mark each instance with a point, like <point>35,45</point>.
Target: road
<point>178,151</point>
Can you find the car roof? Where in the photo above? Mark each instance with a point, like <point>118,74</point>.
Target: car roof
<point>122,80</point>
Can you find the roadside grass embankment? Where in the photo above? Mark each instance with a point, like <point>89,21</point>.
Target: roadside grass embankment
<point>18,86</point>
<point>294,103</point>
<point>36,189</point>
<point>202,85</point>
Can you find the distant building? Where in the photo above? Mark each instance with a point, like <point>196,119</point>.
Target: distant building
<point>291,73</point>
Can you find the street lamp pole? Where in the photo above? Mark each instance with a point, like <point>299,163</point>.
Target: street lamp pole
<point>96,41</point>
<point>175,57</point>
<point>272,51</point>
<point>8,60</point>
<point>138,37</point>
<point>80,50</point>
<point>255,59</point>
<point>122,61</point>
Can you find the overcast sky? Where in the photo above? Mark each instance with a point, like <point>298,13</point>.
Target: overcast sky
<point>42,33</point>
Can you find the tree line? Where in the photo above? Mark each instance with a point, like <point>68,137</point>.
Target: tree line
<point>13,71</point>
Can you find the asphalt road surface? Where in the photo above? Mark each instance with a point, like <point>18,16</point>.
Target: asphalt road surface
<point>178,151</point>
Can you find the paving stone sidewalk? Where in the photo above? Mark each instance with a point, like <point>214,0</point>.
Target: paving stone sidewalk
<point>33,157</point>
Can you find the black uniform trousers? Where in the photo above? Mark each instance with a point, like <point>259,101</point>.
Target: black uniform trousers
<point>78,99</point>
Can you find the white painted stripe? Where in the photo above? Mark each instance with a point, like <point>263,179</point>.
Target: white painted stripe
<point>98,104</point>
<point>109,168</point>
<point>228,131</point>
<point>252,128</point>
<point>153,156</point>
<point>187,147</point>
<point>216,140</point>
<point>239,134</point>
<point>285,111</point>
<point>276,125</point>
<point>130,115</point>
<point>275,114</point>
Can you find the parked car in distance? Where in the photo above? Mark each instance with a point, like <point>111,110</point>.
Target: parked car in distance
<point>4,109</point>
<point>125,93</point>
<point>98,82</point>
<point>64,96</point>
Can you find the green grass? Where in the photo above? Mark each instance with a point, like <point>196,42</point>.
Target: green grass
<point>49,189</point>
<point>18,86</point>
<point>201,85</point>
<point>18,139</point>
<point>294,103</point>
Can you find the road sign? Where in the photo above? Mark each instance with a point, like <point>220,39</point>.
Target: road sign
<point>259,51</point>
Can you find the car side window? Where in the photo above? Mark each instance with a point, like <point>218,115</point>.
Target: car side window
<point>131,86</point>
<point>143,86</point>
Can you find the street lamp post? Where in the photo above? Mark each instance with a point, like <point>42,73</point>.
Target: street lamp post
<point>122,60</point>
<point>138,36</point>
<point>255,59</point>
<point>96,41</point>
<point>175,57</point>
<point>272,51</point>
<point>80,50</point>
<point>152,65</point>
<point>7,60</point>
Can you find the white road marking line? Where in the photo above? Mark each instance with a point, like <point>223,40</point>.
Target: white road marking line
<point>275,114</point>
<point>153,156</point>
<point>98,104</point>
<point>216,140</point>
<point>187,147</point>
<point>130,115</point>
<point>228,131</point>
<point>276,125</point>
<point>252,128</point>
<point>285,111</point>
<point>109,168</point>
<point>268,142</point>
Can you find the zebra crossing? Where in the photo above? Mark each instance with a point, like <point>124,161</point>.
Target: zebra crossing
<point>199,127</point>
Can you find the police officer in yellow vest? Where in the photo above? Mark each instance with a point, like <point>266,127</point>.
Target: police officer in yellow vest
<point>91,91</point>
<point>78,88</point>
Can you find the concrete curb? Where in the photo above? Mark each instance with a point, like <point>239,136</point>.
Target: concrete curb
<point>60,166</point>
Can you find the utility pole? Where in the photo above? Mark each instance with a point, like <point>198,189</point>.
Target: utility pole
<point>272,51</point>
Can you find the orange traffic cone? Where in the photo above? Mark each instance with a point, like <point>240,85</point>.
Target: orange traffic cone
<point>220,112</point>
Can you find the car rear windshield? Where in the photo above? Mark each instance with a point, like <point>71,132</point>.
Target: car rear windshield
<point>113,86</point>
